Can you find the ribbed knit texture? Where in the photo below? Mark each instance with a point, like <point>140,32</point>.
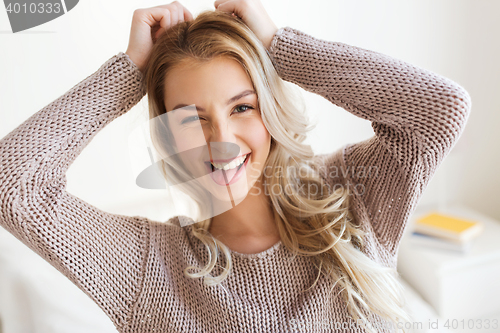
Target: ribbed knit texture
<point>132,267</point>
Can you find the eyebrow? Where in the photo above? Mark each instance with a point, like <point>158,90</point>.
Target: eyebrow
<point>229,101</point>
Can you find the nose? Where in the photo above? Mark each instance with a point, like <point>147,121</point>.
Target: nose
<point>221,140</point>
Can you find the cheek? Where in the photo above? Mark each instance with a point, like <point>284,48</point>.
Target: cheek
<point>257,137</point>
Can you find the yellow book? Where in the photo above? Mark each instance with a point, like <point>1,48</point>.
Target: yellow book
<point>448,227</point>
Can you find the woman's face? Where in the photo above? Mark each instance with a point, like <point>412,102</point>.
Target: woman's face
<point>213,114</point>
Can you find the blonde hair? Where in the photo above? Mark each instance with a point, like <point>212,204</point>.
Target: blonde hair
<point>318,225</point>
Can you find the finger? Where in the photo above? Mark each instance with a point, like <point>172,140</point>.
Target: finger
<point>184,14</point>
<point>218,2</point>
<point>173,16</point>
<point>179,11</point>
<point>230,6</point>
<point>154,16</point>
<point>180,14</point>
<point>187,15</point>
<point>165,23</point>
<point>158,34</point>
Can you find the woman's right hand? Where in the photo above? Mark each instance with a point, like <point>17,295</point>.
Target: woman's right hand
<point>148,24</point>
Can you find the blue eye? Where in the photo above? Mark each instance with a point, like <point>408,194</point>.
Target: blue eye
<point>189,119</point>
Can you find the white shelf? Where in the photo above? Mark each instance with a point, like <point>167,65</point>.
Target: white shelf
<point>458,286</point>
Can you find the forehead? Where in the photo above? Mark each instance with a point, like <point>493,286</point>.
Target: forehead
<point>192,81</point>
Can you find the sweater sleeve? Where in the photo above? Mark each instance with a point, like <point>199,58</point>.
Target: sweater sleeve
<point>417,117</point>
<point>102,253</point>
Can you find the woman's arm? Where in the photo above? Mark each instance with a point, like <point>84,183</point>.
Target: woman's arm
<point>417,117</point>
<point>102,253</point>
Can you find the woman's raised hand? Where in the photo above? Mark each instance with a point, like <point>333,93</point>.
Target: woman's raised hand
<point>148,24</point>
<point>254,15</point>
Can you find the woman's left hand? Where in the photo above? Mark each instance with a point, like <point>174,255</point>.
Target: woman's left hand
<point>254,15</point>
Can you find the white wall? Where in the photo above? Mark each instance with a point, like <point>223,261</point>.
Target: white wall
<point>455,38</point>
<point>479,181</point>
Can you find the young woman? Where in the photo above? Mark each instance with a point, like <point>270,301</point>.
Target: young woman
<point>310,242</point>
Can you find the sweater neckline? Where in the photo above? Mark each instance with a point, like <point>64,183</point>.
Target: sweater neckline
<point>266,253</point>
<point>269,252</point>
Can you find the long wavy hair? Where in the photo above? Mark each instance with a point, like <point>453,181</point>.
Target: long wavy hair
<point>318,225</point>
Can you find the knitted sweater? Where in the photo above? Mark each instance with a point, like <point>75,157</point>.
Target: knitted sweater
<point>132,267</point>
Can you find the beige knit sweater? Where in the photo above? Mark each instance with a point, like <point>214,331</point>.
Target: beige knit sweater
<point>132,267</point>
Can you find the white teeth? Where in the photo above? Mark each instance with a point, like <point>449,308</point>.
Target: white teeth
<point>235,163</point>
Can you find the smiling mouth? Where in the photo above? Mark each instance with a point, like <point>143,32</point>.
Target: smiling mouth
<point>235,163</point>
